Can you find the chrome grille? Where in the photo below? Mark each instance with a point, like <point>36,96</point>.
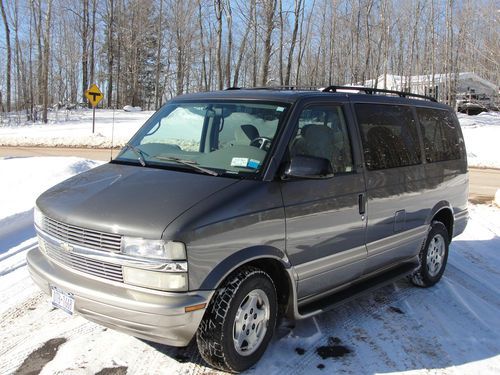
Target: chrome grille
<point>93,267</point>
<point>80,236</point>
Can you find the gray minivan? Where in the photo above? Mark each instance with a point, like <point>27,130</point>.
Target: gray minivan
<point>230,209</point>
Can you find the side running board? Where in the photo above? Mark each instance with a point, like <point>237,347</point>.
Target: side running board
<point>364,287</point>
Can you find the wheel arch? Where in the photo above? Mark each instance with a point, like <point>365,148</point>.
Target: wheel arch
<point>267,258</point>
<point>443,212</point>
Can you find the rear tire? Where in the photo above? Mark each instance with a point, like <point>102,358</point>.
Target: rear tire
<point>239,321</point>
<point>432,257</point>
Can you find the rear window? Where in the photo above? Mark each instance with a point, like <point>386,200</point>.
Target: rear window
<point>389,136</point>
<point>439,133</point>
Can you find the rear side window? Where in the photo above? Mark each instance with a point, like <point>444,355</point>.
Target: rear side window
<point>389,135</point>
<point>439,133</point>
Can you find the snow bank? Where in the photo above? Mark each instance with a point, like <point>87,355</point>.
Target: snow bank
<point>75,130</point>
<point>497,198</point>
<point>22,181</point>
<point>482,136</point>
<point>129,108</point>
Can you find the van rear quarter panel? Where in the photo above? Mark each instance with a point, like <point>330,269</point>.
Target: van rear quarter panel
<point>447,181</point>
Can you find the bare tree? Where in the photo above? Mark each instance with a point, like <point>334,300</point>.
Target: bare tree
<point>229,20</point>
<point>204,78</point>
<point>46,55</point>
<point>218,7</point>
<point>110,20</point>
<point>243,43</point>
<point>159,36</point>
<point>9,53</point>
<point>85,30</point>
<point>297,12</point>
<point>269,14</point>
<point>92,44</point>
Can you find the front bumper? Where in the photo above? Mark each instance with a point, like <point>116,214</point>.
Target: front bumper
<point>148,314</point>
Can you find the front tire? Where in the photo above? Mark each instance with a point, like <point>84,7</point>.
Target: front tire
<point>432,257</point>
<point>239,321</point>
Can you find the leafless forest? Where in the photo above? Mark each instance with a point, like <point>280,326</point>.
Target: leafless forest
<point>142,52</point>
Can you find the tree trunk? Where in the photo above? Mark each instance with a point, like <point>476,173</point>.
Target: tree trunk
<point>92,44</point>
<point>46,55</point>
<point>9,53</point>
<point>270,9</point>
<point>159,36</point>
<point>218,55</point>
<point>109,25</point>
<point>294,40</point>
<point>254,67</point>
<point>204,78</point>
<point>229,20</point>
<point>281,43</point>
<point>37,15</point>
<point>85,30</point>
<point>241,51</point>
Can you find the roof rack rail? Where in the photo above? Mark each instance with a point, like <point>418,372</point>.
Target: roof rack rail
<point>312,88</point>
<point>371,91</point>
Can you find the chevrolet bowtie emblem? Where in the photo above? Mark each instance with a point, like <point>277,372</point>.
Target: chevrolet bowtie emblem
<point>67,247</point>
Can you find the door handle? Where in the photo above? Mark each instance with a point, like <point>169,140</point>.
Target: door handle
<point>361,203</point>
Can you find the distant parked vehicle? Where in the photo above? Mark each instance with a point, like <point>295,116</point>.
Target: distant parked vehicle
<point>474,104</point>
<point>230,209</point>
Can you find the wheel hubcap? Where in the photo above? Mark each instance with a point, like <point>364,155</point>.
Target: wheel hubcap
<point>250,324</point>
<point>435,255</point>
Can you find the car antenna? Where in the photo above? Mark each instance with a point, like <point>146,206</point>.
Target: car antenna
<point>112,134</point>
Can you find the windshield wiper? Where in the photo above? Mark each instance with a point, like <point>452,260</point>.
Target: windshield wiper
<point>137,152</point>
<point>190,163</point>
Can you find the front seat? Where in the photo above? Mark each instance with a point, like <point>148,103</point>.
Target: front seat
<point>244,134</point>
<point>315,140</point>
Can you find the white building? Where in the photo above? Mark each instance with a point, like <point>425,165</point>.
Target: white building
<point>468,86</point>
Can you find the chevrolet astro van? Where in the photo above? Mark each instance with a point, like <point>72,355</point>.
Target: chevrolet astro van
<point>228,210</point>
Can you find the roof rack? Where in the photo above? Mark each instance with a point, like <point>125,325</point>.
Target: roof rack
<point>371,91</point>
<point>301,88</point>
<point>366,90</point>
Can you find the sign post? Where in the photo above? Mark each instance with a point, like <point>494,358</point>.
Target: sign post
<point>94,96</point>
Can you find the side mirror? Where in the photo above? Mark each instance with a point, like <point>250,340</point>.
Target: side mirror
<point>308,167</point>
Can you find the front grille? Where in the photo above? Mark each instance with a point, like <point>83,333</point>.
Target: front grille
<point>93,267</point>
<point>80,236</point>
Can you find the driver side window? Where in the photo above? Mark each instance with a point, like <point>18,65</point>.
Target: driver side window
<point>322,132</point>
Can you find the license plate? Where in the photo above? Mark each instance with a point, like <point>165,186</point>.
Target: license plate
<point>63,301</point>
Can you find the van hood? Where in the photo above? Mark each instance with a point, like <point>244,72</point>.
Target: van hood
<point>128,200</point>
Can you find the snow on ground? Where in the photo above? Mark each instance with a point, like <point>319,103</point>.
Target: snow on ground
<point>74,129</point>
<point>482,134</point>
<point>452,328</point>
<point>23,180</point>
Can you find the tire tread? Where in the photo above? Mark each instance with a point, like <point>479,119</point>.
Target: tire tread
<point>210,334</point>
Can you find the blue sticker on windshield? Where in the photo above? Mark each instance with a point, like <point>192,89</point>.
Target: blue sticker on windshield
<point>252,163</point>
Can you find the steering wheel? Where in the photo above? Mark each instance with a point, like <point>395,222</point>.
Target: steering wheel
<point>261,142</point>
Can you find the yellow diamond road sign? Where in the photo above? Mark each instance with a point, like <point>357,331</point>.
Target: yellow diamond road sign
<point>94,95</point>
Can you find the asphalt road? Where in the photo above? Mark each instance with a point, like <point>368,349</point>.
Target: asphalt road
<point>483,182</point>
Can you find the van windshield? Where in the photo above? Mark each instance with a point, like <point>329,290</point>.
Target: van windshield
<point>213,137</point>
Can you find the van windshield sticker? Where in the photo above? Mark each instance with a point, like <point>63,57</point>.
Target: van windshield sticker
<point>280,109</point>
<point>239,162</point>
<point>252,163</point>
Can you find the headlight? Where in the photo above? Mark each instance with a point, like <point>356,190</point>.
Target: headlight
<point>153,248</point>
<point>37,217</point>
<point>174,275</point>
